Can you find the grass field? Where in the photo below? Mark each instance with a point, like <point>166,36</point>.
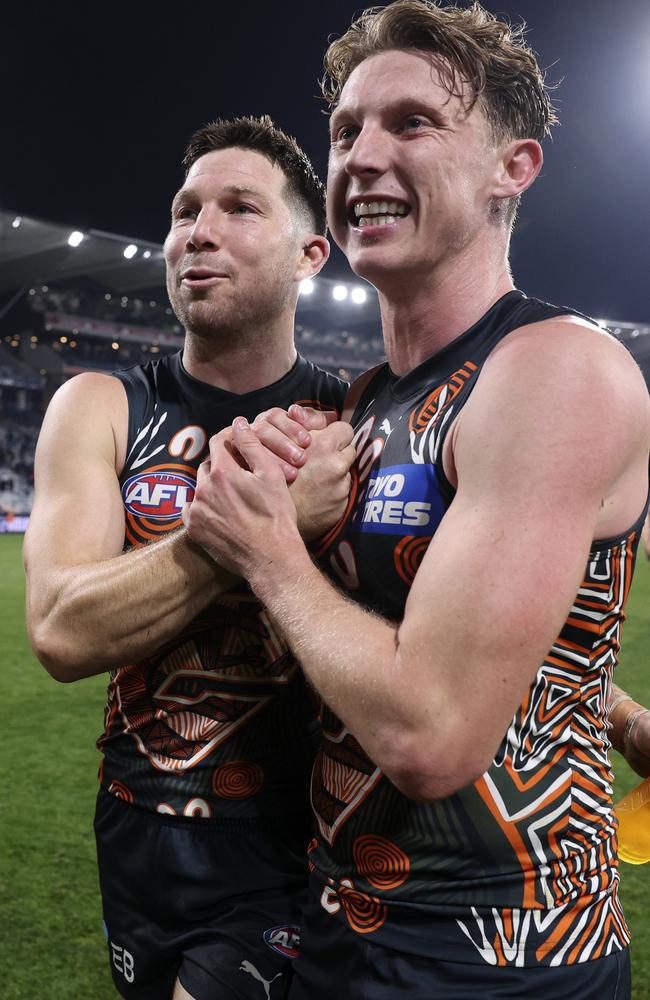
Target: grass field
<point>52,945</point>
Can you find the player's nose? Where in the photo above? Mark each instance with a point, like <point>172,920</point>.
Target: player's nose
<point>205,234</point>
<point>370,152</point>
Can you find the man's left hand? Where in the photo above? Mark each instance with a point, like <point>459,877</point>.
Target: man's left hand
<point>242,512</point>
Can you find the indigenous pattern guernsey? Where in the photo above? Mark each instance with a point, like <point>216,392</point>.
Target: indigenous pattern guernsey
<point>218,722</point>
<point>520,866</point>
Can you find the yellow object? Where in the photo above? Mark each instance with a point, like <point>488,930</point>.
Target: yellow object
<point>633,813</point>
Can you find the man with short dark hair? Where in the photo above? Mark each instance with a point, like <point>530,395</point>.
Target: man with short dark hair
<point>202,817</point>
<point>466,840</point>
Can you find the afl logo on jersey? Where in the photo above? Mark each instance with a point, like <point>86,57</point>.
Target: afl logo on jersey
<point>284,940</point>
<point>159,495</point>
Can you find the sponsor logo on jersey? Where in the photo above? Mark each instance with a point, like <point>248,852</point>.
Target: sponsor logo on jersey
<point>401,499</point>
<point>284,940</point>
<point>159,495</point>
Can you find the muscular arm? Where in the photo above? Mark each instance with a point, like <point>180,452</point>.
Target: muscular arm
<point>90,607</point>
<point>538,478</point>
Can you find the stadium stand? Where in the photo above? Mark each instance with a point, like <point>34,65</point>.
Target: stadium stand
<point>99,303</point>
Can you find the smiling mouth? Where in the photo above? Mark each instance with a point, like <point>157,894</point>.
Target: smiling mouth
<point>364,214</point>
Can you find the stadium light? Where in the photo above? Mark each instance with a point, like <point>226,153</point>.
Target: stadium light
<point>339,292</point>
<point>75,238</point>
<point>130,251</point>
<point>307,286</point>
<point>147,254</point>
<point>16,222</point>
<point>359,295</point>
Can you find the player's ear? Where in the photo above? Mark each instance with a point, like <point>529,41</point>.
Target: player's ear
<point>520,162</point>
<point>313,257</point>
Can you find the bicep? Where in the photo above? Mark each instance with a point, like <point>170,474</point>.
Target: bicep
<point>78,515</point>
<point>502,571</point>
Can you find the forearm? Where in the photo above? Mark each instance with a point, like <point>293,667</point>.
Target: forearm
<point>351,656</point>
<point>101,615</point>
<point>630,730</point>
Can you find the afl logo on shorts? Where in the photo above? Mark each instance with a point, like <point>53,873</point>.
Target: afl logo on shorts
<point>284,940</point>
<point>159,495</point>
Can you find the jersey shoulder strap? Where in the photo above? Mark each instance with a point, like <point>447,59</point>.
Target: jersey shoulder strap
<point>356,391</point>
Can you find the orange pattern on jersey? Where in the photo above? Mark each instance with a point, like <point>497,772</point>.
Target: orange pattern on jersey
<point>364,913</point>
<point>408,554</point>
<point>122,792</point>
<point>383,864</point>
<point>192,695</point>
<point>238,779</point>
<point>421,417</point>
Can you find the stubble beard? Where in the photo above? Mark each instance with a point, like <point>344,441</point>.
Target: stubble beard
<point>232,322</point>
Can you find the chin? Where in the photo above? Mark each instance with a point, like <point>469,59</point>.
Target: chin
<point>373,263</point>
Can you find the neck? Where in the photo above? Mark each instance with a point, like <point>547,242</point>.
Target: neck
<point>243,363</point>
<point>423,316</point>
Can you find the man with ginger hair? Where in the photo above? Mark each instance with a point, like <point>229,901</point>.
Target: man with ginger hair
<point>465,650</point>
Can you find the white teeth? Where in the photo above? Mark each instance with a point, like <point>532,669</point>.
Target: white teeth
<point>394,208</point>
<point>377,220</point>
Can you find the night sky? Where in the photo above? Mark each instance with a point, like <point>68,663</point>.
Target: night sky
<point>98,104</point>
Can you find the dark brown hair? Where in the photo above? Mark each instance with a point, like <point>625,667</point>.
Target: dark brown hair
<point>303,187</point>
<point>487,55</point>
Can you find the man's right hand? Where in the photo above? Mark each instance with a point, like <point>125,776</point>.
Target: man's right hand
<point>315,453</point>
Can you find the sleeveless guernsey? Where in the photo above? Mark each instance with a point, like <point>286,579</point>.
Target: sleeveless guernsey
<point>519,867</point>
<point>218,722</point>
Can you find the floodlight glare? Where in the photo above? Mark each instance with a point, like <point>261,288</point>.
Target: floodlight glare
<point>359,295</point>
<point>75,238</point>
<point>339,292</point>
<point>130,251</point>
<point>16,222</point>
<point>307,286</point>
<point>147,254</point>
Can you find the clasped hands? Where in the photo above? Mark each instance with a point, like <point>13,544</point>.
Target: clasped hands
<point>268,484</point>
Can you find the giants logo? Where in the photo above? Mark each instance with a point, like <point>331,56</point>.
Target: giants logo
<point>159,494</point>
<point>284,940</point>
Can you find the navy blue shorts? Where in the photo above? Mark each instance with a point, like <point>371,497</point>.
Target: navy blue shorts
<point>216,903</point>
<point>335,961</point>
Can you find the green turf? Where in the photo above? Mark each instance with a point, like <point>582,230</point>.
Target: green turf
<point>52,945</point>
<point>51,941</point>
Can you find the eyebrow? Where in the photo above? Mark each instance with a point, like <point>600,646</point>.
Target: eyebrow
<point>239,190</point>
<point>401,105</point>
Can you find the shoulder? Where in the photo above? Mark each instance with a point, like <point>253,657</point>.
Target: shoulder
<point>559,341</point>
<point>90,389</point>
<point>553,398</point>
<point>571,361</point>
<point>91,410</point>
